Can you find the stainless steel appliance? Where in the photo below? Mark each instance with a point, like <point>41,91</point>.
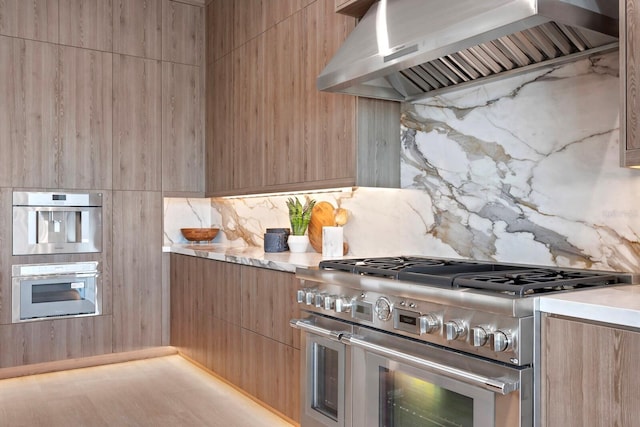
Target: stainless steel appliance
<point>53,223</point>
<point>424,341</point>
<point>408,50</point>
<point>42,291</point>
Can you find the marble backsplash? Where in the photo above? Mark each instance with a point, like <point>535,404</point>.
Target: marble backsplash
<point>520,170</point>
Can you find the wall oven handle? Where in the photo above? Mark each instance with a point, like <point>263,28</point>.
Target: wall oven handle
<point>492,384</point>
<point>308,326</point>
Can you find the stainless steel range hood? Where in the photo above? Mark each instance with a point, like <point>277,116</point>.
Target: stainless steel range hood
<point>408,50</point>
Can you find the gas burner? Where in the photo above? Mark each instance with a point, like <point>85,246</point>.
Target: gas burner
<point>534,281</point>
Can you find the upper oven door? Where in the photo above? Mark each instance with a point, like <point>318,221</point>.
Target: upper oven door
<point>398,382</point>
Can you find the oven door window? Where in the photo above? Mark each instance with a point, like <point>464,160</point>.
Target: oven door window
<point>56,292</point>
<point>407,396</point>
<point>325,381</point>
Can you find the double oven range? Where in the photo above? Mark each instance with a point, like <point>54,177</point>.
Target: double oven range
<point>414,341</point>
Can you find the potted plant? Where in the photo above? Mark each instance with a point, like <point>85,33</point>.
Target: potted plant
<point>299,216</point>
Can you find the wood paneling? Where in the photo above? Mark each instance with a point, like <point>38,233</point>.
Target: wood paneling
<point>137,270</point>
<point>589,374</point>
<point>222,291</point>
<point>87,24</point>
<point>8,114</point>
<point>136,123</point>
<point>137,28</point>
<point>85,119</point>
<point>219,39</point>
<point>248,118</point>
<point>630,83</point>
<point>30,19</point>
<point>283,133</point>
<point>6,229</point>
<point>330,130</point>
<point>34,128</point>
<point>182,128</point>
<point>269,302</point>
<point>271,372</point>
<point>49,340</point>
<point>182,33</point>
<point>220,142</point>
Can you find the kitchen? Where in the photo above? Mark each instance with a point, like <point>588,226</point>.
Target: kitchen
<point>521,156</point>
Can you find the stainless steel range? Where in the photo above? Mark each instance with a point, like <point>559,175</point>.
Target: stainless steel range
<point>405,341</point>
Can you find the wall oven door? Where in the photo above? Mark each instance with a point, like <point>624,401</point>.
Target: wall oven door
<point>324,374</point>
<point>42,291</point>
<point>401,382</point>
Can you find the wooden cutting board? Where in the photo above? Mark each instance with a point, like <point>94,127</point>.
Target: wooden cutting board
<point>322,214</point>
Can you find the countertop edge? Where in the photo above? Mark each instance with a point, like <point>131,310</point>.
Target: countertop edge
<point>251,256</point>
<point>617,305</point>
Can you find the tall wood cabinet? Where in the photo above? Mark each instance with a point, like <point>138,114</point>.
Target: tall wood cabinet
<point>630,83</point>
<point>274,131</point>
<point>234,320</point>
<point>589,374</point>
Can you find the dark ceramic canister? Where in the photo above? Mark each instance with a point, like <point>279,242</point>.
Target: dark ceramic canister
<point>275,240</point>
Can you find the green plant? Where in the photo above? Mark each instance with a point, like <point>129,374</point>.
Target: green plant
<point>299,215</point>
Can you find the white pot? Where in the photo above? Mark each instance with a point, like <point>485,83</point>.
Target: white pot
<point>298,243</point>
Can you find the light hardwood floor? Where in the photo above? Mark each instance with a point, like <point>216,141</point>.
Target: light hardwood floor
<point>163,391</point>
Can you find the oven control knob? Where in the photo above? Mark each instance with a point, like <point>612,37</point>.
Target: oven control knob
<point>429,323</point>
<point>500,341</point>
<point>343,305</point>
<point>300,296</point>
<point>329,302</point>
<point>383,309</point>
<point>310,298</point>
<point>454,329</point>
<point>479,336</point>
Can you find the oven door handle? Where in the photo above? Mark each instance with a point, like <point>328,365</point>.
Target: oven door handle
<point>308,326</point>
<point>493,384</point>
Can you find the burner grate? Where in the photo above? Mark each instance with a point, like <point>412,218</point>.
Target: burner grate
<point>534,281</point>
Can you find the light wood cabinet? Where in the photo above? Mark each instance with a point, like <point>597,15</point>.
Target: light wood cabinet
<point>84,160</point>
<point>589,374</point>
<point>50,340</point>
<point>284,135</point>
<point>30,19</point>
<point>6,227</point>
<point>137,28</point>
<point>137,270</point>
<point>87,24</point>
<point>355,8</point>
<point>137,123</point>
<point>182,33</point>
<point>234,320</point>
<point>630,83</point>
<point>8,114</point>
<point>33,113</point>
<point>182,129</point>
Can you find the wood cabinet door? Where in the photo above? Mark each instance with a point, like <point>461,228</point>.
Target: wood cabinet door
<point>85,119</point>
<point>30,19</point>
<point>137,270</point>
<point>269,302</point>
<point>330,119</point>
<point>137,148</point>
<point>589,374</point>
<point>182,33</point>
<point>33,120</point>
<point>137,28</point>
<point>87,24</point>
<point>182,129</point>
<point>630,81</point>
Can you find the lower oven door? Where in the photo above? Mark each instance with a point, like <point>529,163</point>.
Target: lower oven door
<point>324,376</point>
<point>399,382</point>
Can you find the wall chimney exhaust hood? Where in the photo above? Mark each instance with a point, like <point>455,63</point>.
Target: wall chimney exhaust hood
<point>408,50</point>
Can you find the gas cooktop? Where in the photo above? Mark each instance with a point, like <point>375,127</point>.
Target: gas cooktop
<point>519,280</point>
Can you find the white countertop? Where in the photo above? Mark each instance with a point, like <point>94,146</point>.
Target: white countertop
<point>618,305</point>
<point>255,256</point>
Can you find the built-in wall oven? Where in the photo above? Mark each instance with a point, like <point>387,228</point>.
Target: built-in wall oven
<point>42,291</point>
<point>414,341</point>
